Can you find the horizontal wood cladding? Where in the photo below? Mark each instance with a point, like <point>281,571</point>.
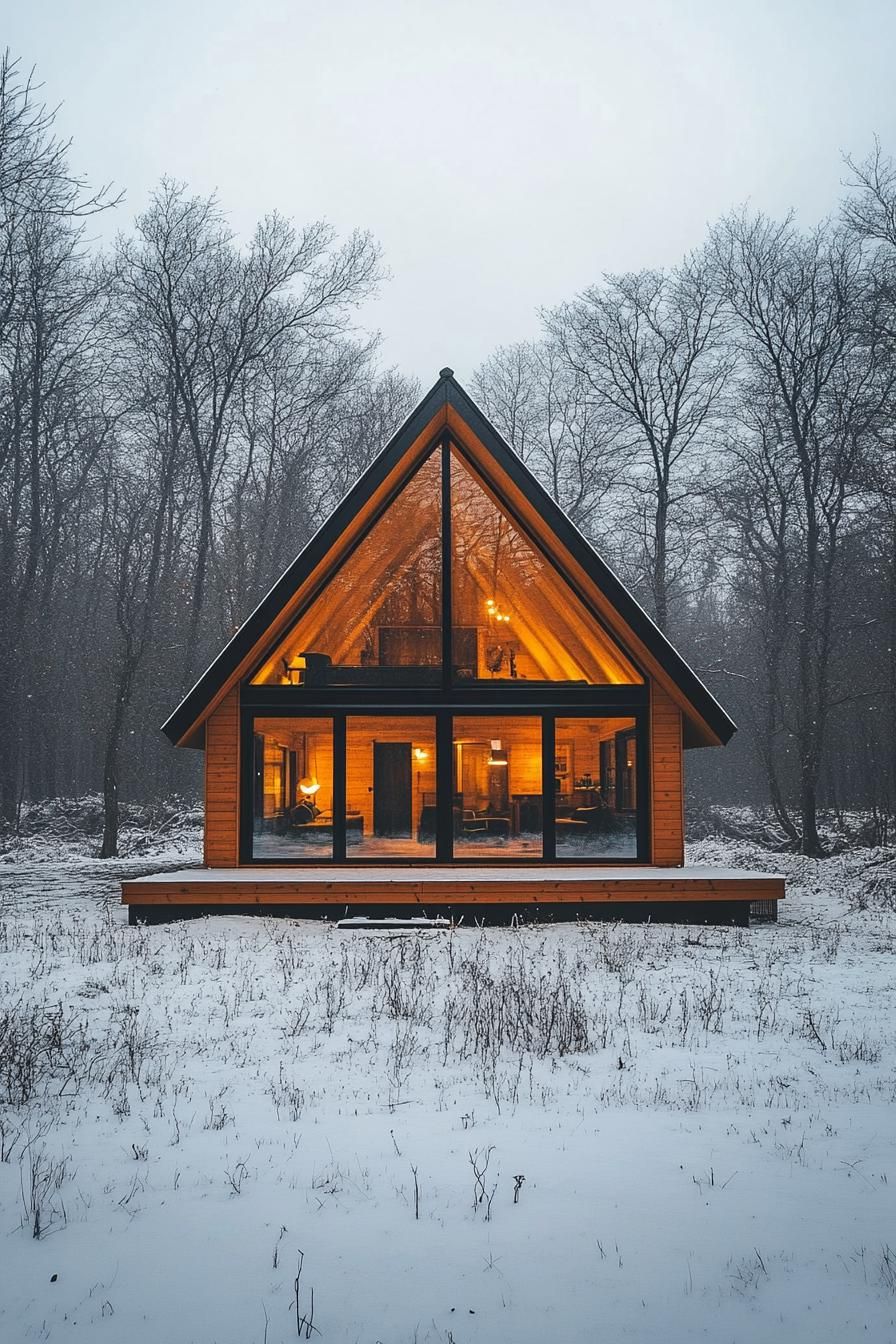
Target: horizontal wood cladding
<point>222,782</point>
<point>666,779</point>
<point>420,891</point>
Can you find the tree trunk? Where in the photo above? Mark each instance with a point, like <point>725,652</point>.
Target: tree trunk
<point>660,594</point>
<point>811,842</point>
<point>109,848</point>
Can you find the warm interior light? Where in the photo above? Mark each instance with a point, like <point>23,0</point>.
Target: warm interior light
<point>420,754</point>
<point>497,756</point>
<point>308,786</point>
<point>494,611</point>
<point>293,671</point>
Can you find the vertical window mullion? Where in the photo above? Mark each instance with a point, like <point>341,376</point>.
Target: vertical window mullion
<point>447,618</point>
<point>548,785</point>
<point>339,788</point>
<point>444,786</point>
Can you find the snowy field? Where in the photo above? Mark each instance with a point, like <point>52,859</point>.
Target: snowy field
<point>580,1133</point>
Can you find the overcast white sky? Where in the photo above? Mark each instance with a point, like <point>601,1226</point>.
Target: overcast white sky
<point>503,154</point>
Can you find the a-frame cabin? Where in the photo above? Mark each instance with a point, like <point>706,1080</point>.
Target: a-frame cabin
<point>448,701</point>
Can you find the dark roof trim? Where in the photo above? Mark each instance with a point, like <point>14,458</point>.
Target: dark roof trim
<point>228,660</point>
<point>447,391</point>
<point>703,701</point>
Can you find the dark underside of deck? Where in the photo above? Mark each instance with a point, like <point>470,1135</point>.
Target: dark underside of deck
<point>686,895</point>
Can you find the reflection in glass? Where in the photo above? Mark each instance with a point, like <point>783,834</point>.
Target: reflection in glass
<point>377,621</point>
<point>292,789</point>
<point>514,617</point>
<point>596,788</point>
<point>390,786</point>
<point>497,805</point>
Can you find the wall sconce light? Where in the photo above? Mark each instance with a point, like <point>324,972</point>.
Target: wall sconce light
<point>308,786</point>
<point>420,754</point>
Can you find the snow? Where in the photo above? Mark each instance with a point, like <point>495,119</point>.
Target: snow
<point>456,873</point>
<point>703,1117</point>
<point>393,922</point>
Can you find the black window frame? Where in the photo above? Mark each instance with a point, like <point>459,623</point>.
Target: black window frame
<point>278,702</point>
<point>444,445</point>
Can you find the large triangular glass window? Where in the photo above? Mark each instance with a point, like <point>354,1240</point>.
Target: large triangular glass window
<point>378,620</point>
<point>515,619</point>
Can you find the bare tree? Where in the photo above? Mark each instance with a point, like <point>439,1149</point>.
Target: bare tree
<point>649,346</point>
<point>52,426</point>
<point>35,174</point>
<point>545,410</point>
<point>799,305</point>
<point>216,313</point>
<point>869,213</point>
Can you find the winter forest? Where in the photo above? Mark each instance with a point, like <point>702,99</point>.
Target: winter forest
<point>180,410</point>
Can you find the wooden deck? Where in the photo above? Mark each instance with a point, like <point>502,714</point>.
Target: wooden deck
<point>715,894</point>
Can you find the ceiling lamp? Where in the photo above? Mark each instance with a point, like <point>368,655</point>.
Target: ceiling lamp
<point>495,613</point>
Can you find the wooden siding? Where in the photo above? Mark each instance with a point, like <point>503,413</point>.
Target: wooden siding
<point>666,782</point>
<point>222,783</point>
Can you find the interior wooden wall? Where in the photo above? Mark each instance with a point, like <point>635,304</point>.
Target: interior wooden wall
<point>582,737</point>
<point>666,779</point>
<point>519,737</point>
<point>222,783</point>
<point>296,735</point>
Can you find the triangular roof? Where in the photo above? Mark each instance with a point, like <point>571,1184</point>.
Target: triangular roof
<point>447,407</point>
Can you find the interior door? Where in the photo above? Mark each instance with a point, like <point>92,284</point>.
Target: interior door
<point>392,796</point>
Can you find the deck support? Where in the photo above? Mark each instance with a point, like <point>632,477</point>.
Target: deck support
<point>642,912</point>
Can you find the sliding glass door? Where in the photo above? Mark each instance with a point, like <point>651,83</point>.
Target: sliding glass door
<point>390,786</point>
<point>497,801</point>
<point>596,788</point>
<point>292,800</point>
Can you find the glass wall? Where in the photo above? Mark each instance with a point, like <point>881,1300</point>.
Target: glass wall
<point>390,786</point>
<point>596,788</point>
<point>292,813</point>
<point>497,802</point>
<point>378,621</point>
<point>495,807</point>
<point>515,618</point>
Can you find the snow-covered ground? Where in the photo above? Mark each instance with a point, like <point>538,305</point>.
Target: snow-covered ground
<point>596,1132</point>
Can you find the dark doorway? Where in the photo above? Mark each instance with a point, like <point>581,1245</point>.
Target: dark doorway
<point>392,797</point>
